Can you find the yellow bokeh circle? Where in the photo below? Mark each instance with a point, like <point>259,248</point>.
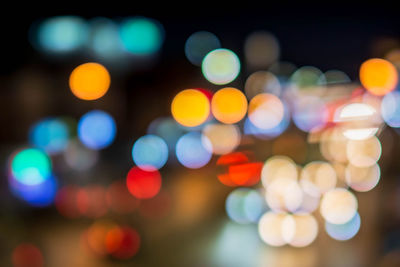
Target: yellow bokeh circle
<point>190,107</point>
<point>229,105</point>
<point>378,76</point>
<point>89,81</point>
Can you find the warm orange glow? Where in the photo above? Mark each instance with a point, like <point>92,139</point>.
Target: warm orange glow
<point>190,107</point>
<point>229,105</point>
<point>378,76</point>
<point>89,81</point>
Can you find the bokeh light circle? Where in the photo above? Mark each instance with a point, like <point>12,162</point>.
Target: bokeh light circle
<point>364,153</point>
<point>270,229</point>
<point>143,184</point>
<point>266,111</point>
<point>224,138</point>
<point>61,34</point>
<point>193,150</point>
<point>390,109</point>
<point>362,179</point>
<point>141,36</point>
<point>262,82</point>
<point>318,177</point>
<point>221,66</point>
<point>338,206</point>
<point>31,166</point>
<point>149,152</point>
<point>229,105</point>
<point>96,129</point>
<point>190,107</point>
<point>378,76</point>
<point>244,205</point>
<point>89,81</point>
<point>299,230</point>
<point>346,231</point>
<point>50,134</point>
<point>199,44</point>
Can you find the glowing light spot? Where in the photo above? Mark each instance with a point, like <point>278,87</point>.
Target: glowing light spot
<point>224,138</point>
<point>61,34</point>
<point>143,184</point>
<point>278,167</point>
<point>95,236</point>
<point>190,108</point>
<point>378,76</point>
<point>122,242</point>
<point>27,255</point>
<point>343,232</point>
<point>358,121</point>
<point>306,77</point>
<point>79,157</point>
<point>150,152</point>
<point>333,145</point>
<point>338,206</point>
<point>141,36</point>
<point>310,113</point>
<point>193,150</point>
<point>270,229</point>
<point>262,82</point>
<point>89,81</point>
<point>390,109</point>
<point>31,166</point>
<point>355,111</point>
<point>284,194</point>
<point>199,44</point>
<point>261,49</point>
<point>336,76</point>
<point>221,66</point>
<point>229,105</point>
<point>239,170</point>
<point>364,153</point>
<point>168,129</point>
<point>266,111</point>
<point>317,178</point>
<point>362,179</point>
<point>37,195</point>
<point>250,128</point>
<point>299,230</point>
<point>50,135</point>
<point>96,129</point>
<point>105,41</point>
<point>244,205</point>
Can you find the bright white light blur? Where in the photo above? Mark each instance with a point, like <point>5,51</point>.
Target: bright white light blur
<point>270,228</point>
<point>221,66</point>
<point>362,179</point>
<point>338,206</point>
<point>284,194</point>
<point>278,167</point>
<point>364,153</point>
<point>317,178</point>
<point>266,111</point>
<point>299,230</point>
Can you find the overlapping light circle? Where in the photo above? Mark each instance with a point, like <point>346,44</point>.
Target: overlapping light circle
<point>221,66</point>
<point>149,152</point>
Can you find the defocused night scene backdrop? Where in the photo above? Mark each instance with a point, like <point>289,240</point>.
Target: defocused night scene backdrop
<point>245,136</point>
